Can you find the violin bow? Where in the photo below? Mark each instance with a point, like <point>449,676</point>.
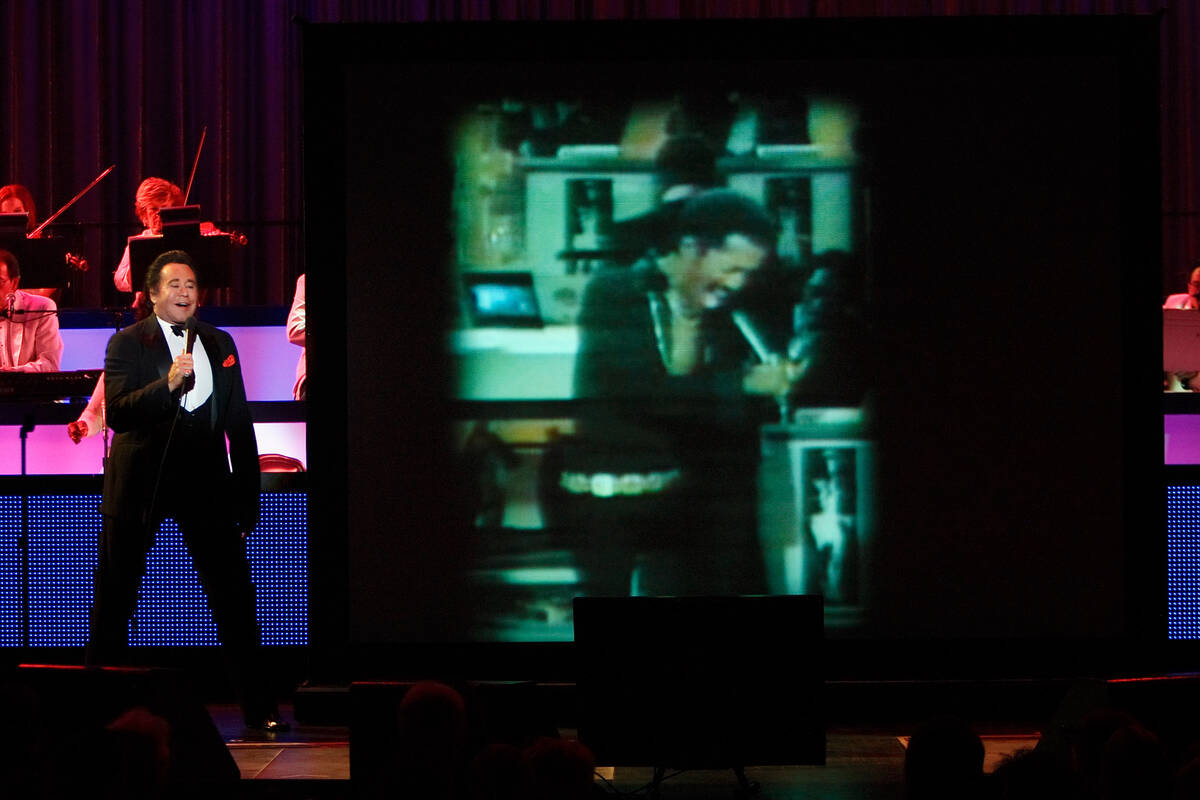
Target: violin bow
<point>195,163</point>
<point>55,215</point>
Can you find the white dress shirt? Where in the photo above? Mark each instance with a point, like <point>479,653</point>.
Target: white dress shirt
<point>194,398</point>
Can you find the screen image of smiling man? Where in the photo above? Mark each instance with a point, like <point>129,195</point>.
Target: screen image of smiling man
<point>666,317</point>
<point>659,477</point>
<point>184,448</point>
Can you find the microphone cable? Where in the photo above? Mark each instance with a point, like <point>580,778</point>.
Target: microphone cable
<point>149,520</point>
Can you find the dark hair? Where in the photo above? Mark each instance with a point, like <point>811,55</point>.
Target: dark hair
<point>14,267</point>
<point>713,215</point>
<point>22,195</point>
<point>154,273</point>
<point>686,159</point>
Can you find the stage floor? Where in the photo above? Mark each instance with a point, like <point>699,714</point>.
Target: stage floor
<point>862,762</point>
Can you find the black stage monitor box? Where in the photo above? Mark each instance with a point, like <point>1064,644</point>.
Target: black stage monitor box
<point>212,254</point>
<point>701,682</point>
<point>14,224</point>
<point>502,299</point>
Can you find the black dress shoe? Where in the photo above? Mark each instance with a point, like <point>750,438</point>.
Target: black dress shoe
<point>269,725</point>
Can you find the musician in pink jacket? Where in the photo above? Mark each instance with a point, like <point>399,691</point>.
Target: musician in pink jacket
<point>29,337</point>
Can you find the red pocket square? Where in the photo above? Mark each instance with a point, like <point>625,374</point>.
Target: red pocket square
<point>229,361</point>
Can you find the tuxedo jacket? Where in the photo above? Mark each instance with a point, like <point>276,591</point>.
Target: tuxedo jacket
<point>140,411</point>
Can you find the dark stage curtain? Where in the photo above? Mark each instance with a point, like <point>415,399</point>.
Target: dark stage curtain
<point>132,83</point>
<point>91,84</point>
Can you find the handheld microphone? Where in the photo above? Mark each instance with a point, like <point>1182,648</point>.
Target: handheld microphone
<point>191,334</point>
<point>190,380</point>
<point>757,341</point>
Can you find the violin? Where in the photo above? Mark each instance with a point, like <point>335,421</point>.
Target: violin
<point>235,237</point>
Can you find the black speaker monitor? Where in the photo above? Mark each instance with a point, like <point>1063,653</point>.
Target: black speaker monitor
<point>701,682</point>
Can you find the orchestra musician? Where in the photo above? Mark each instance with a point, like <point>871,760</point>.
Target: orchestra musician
<point>153,195</point>
<point>16,199</point>
<point>1189,301</point>
<point>29,337</point>
<point>92,420</point>
<point>296,335</point>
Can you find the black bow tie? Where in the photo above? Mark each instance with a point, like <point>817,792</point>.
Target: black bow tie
<point>177,330</point>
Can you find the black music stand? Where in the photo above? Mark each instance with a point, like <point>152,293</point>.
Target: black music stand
<point>43,261</point>
<point>213,255</point>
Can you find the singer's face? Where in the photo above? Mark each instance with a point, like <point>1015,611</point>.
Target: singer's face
<point>7,285</point>
<point>711,276</point>
<point>175,298</point>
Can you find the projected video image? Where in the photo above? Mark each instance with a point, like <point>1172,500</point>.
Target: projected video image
<point>647,311</point>
<point>682,417</point>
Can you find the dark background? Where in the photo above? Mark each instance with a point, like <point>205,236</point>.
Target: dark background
<point>132,83</point>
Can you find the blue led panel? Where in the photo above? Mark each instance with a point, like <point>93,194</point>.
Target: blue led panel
<point>278,553</point>
<point>10,571</point>
<point>64,531</point>
<point>171,610</point>
<point>63,535</point>
<point>1183,562</point>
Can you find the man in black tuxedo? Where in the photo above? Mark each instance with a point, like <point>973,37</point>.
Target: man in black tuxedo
<point>174,393</point>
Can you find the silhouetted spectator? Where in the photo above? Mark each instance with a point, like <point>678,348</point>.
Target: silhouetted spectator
<point>1134,766</point>
<point>22,741</point>
<point>944,761</point>
<point>497,773</point>
<point>1033,775</point>
<point>559,769</point>
<point>1087,742</point>
<point>144,739</point>
<point>429,759</point>
<point>1186,782</point>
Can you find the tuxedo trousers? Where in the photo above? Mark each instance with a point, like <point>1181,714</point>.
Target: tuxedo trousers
<point>218,553</point>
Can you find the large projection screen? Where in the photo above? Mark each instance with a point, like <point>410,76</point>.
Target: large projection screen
<point>965,261</point>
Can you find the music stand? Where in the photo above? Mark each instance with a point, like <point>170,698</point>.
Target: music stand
<point>701,682</point>
<point>181,231</point>
<point>13,223</point>
<point>43,261</point>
